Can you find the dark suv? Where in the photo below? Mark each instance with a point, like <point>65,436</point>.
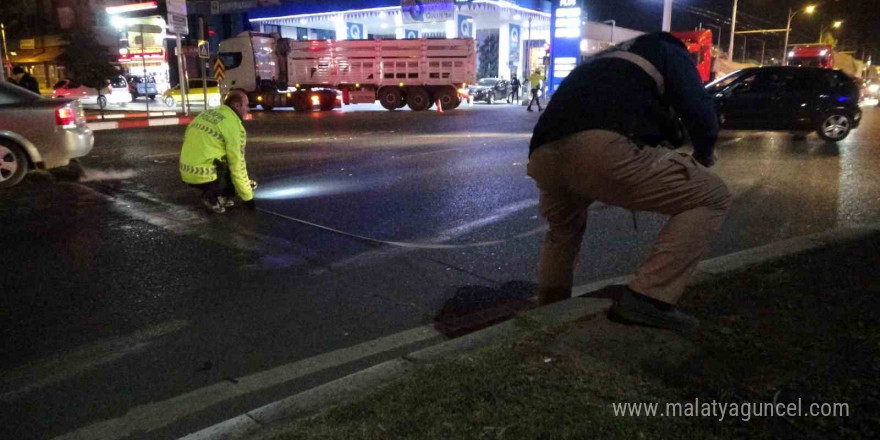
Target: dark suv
<point>796,99</point>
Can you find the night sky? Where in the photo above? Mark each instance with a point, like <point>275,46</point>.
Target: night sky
<point>861,29</point>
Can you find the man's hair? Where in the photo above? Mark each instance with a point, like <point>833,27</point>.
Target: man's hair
<point>235,96</point>
<point>16,70</point>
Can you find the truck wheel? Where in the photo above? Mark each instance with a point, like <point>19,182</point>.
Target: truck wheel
<point>102,102</point>
<point>13,164</point>
<point>418,99</point>
<point>447,97</point>
<point>169,101</point>
<point>391,98</point>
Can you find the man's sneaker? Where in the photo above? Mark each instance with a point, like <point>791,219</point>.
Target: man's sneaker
<point>213,205</point>
<point>642,310</point>
<point>226,202</point>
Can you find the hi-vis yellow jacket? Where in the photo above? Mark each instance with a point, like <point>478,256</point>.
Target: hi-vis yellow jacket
<point>215,134</point>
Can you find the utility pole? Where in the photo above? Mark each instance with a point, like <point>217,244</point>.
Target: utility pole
<point>5,59</point>
<point>732,31</point>
<point>667,15</point>
<point>203,36</point>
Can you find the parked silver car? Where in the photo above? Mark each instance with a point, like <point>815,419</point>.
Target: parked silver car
<point>38,133</point>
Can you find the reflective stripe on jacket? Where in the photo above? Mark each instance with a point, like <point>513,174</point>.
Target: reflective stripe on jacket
<point>215,134</point>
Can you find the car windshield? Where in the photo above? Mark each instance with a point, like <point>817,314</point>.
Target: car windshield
<point>59,84</point>
<point>487,82</point>
<point>119,82</point>
<point>13,94</point>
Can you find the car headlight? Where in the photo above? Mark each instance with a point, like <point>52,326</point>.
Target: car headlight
<point>873,88</point>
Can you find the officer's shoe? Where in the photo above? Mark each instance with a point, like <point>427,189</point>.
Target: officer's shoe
<point>634,308</point>
<point>213,205</point>
<point>226,202</point>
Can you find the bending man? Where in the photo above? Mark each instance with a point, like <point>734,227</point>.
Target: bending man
<point>604,137</point>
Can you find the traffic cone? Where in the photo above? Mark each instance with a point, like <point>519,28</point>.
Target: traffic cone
<point>439,107</point>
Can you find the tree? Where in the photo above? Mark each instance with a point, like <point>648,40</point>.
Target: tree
<point>88,62</point>
<point>488,53</point>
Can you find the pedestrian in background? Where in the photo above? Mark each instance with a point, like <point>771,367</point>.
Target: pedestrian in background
<point>514,89</point>
<point>535,81</point>
<point>603,139</point>
<point>24,79</point>
<point>212,157</point>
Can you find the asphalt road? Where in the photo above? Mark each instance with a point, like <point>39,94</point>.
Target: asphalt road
<point>124,301</point>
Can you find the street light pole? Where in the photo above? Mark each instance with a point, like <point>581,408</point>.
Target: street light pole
<point>791,14</point>
<point>732,31</point>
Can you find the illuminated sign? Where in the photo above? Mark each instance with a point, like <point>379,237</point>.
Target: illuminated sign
<point>566,30</point>
<point>143,6</point>
<point>421,11</point>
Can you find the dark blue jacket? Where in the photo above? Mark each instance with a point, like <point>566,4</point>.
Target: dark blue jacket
<point>618,95</point>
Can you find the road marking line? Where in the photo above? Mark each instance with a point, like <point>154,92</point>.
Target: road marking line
<point>61,367</point>
<point>152,416</point>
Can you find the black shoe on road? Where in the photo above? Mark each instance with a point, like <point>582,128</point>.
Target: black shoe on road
<point>213,205</point>
<point>634,308</point>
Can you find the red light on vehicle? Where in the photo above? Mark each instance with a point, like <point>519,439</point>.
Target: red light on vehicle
<point>316,100</point>
<point>64,116</point>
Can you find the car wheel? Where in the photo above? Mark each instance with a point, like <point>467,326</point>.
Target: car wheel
<point>102,101</point>
<point>491,99</point>
<point>169,101</point>
<point>835,127</point>
<point>214,101</point>
<point>13,164</point>
<point>152,97</point>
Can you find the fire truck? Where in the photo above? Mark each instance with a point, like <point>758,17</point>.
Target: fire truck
<point>699,45</point>
<point>325,74</point>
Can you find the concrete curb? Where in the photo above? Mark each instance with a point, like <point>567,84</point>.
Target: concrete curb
<point>139,123</point>
<point>349,387</point>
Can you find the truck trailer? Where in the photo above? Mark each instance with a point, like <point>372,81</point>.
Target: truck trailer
<point>325,74</point>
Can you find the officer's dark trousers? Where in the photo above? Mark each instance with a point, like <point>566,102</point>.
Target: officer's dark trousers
<point>535,99</point>
<point>222,187</point>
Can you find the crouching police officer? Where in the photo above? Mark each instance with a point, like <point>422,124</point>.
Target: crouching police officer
<point>602,138</point>
<point>212,157</point>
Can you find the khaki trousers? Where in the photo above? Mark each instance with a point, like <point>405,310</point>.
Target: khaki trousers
<point>599,165</point>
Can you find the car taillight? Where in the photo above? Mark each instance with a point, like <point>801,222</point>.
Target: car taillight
<point>316,100</point>
<point>65,116</point>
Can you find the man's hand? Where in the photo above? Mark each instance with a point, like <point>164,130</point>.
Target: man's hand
<point>706,161</point>
<point>251,205</point>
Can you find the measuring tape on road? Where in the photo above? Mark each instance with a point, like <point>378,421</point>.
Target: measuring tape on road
<point>404,244</point>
